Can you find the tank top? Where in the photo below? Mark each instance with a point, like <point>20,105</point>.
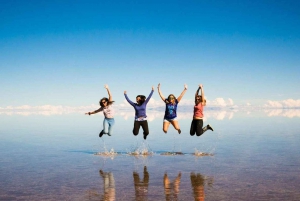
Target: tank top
<point>198,110</point>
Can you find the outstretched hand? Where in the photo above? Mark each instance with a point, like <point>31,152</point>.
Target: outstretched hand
<point>106,86</point>
<point>185,86</point>
<point>158,85</point>
<point>125,92</point>
<point>152,88</point>
<point>200,86</point>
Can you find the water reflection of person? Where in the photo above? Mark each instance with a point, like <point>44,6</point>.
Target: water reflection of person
<point>172,188</point>
<point>198,182</point>
<point>141,187</point>
<point>109,186</point>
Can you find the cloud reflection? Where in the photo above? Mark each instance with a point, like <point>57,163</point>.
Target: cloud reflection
<point>290,113</point>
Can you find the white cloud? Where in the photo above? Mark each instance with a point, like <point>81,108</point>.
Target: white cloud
<point>220,102</point>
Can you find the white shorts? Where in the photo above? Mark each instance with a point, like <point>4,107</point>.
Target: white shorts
<point>169,120</point>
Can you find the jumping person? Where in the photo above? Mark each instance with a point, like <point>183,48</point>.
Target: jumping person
<point>171,109</point>
<point>108,111</point>
<point>197,123</point>
<point>140,113</point>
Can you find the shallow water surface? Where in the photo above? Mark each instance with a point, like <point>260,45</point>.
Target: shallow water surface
<point>249,156</point>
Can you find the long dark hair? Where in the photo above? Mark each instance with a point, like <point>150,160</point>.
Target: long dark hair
<point>106,99</point>
<point>142,99</point>
<point>168,99</point>
<point>200,100</point>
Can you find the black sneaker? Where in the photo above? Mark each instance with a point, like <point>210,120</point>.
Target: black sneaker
<point>179,131</point>
<point>145,137</point>
<point>101,133</point>
<point>108,134</point>
<point>210,128</point>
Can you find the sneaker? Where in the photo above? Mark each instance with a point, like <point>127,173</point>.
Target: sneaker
<point>108,134</point>
<point>210,128</point>
<point>145,137</point>
<point>179,131</point>
<point>101,133</point>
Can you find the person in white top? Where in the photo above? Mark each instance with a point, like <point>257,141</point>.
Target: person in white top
<point>108,111</point>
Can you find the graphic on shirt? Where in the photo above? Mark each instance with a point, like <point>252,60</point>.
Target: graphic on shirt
<point>170,112</point>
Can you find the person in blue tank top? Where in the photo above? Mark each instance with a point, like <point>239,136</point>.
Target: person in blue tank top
<point>140,113</point>
<point>171,109</point>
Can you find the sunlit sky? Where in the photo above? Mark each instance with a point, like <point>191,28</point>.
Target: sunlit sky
<point>63,52</point>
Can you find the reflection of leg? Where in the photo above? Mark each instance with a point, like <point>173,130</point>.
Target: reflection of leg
<point>198,186</point>
<point>176,125</point>
<point>111,123</point>
<point>136,128</point>
<point>167,187</point>
<point>166,126</point>
<point>177,183</point>
<point>193,128</point>
<point>146,177</point>
<point>105,177</point>
<point>111,188</point>
<point>141,187</point>
<point>136,178</point>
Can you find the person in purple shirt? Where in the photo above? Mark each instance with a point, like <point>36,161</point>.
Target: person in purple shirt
<point>171,109</point>
<point>140,113</point>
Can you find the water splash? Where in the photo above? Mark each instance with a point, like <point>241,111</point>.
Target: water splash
<point>141,150</point>
<point>199,153</point>
<point>110,153</point>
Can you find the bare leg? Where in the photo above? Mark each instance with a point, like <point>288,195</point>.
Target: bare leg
<point>166,126</point>
<point>176,126</point>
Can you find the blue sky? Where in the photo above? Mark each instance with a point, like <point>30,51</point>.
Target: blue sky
<point>63,52</point>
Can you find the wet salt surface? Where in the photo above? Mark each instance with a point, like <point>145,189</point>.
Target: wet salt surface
<point>246,158</point>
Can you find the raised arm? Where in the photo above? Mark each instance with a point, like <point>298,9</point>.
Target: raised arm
<point>182,93</point>
<point>159,92</point>
<point>197,92</point>
<point>150,95</point>
<point>128,100</point>
<point>109,94</point>
<point>202,94</point>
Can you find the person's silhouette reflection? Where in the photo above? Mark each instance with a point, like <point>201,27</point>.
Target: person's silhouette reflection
<point>141,187</point>
<point>198,182</point>
<point>172,188</point>
<point>109,186</point>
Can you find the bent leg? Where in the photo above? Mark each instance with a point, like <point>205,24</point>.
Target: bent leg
<point>166,125</point>
<point>199,130</point>
<point>111,124</point>
<point>176,125</point>
<point>145,128</point>
<point>136,128</point>
<point>193,128</point>
<point>105,126</point>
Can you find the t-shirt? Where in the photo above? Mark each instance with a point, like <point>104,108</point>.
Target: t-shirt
<point>140,110</point>
<point>198,110</point>
<point>108,111</point>
<point>170,112</point>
